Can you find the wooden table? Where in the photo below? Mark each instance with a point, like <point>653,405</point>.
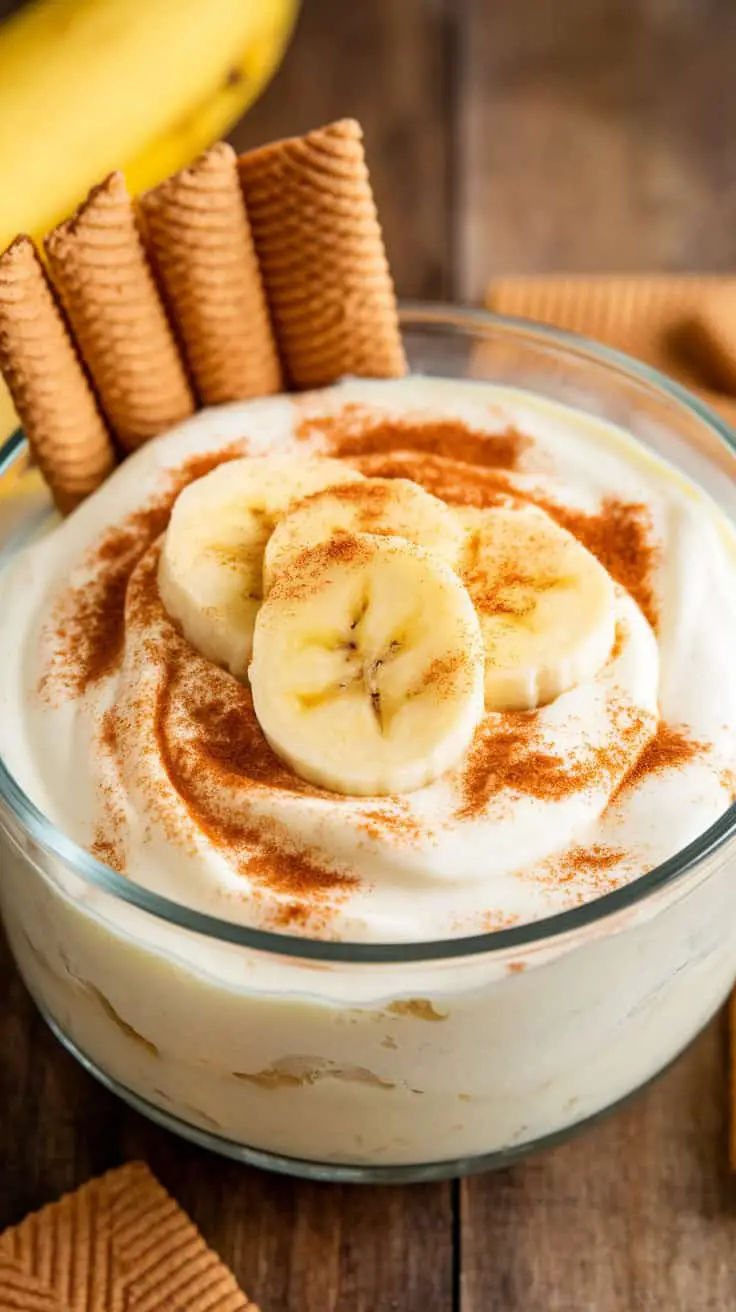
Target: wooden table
<point>513,136</point>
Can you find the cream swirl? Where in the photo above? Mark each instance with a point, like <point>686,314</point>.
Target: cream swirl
<point>152,757</point>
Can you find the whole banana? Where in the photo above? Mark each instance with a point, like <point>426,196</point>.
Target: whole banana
<point>143,85</point>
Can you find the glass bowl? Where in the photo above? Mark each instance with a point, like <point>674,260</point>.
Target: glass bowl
<point>385,1062</point>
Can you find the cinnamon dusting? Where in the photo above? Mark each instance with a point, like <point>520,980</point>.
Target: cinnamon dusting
<point>594,863</point>
<point>221,765</point>
<point>108,844</point>
<point>670,748</point>
<point>306,574</point>
<point>217,764</point>
<point>493,921</point>
<point>619,535</point>
<point>453,481</point>
<point>442,674</point>
<point>621,633</point>
<point>197,767</point>
<point>107,849</point>
<point>393,819</point>
<point>512,591</point>
<point>507,754</point>
<point>369,499</point>
<point>356,430</point>
<point>88,621</point>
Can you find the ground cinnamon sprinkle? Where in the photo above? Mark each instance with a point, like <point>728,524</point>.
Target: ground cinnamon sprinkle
<point>391,817</point>
<point>492,921</point>
<point>306,576</point>
<point>109,730</point>
<point>108,844</point>
<point>107,848</point>
<point>222,764</point>
<point>453,481</point>
<point>466,468</point>
<point>670,747</point>
<point>442,674</point>
<point>88,622</point>
<point>225,747</point>
<point>495,756</point>
<point>620,635</point>
<point>269,860</point>
<point>356,430</point>
<point>369,499</point>
<point>259,846</point>
<point>199,465</point>
<point>511,592</point>
<point>620,537</point>
<point>221,761</point>
<point>595,863</point>
<point>303,913</point>
<point>505,755</point>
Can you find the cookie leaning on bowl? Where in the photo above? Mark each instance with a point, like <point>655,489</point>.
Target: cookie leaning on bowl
<point>227,278</point>
<point>200,239</point>
<point>51,393</point>
<point>322,255</point>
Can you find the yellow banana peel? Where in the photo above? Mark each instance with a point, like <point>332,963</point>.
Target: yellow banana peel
<point>91,85</point>
<point>247,74</point>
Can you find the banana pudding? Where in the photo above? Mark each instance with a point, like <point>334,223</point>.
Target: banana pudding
<point>394,663</point>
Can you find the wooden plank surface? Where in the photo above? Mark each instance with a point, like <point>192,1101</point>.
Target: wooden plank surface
<point>596,135</point>
<point>637,1213</point>
<point>587,134</point>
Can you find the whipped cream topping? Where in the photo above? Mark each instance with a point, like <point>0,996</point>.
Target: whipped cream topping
<point>150,756</point>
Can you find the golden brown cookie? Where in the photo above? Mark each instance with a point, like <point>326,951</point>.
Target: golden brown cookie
<point>117,1243</point>
<point>61,419</point>
<point>640,314</point>
<point>321,251</point>
<point>98,264</point>
<point>200,239</point>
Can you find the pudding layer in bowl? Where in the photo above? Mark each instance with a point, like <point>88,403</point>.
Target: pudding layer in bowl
<point>232,915</point>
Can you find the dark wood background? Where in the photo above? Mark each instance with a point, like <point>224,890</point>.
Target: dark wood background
<point>504,135</point>
<point>527,135</point>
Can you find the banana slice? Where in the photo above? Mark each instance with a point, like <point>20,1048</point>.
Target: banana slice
<point>394,507</point>
<point>367,670</point>
<point>546,606</point>
<point>211,568</point>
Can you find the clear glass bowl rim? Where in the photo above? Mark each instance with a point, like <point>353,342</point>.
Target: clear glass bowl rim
<point>452,319</point>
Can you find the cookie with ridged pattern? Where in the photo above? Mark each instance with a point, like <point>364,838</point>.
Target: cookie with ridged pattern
<point>100,269</point>
<point>198,233</point>
<point>57,408</point>
<point>322,256</point>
